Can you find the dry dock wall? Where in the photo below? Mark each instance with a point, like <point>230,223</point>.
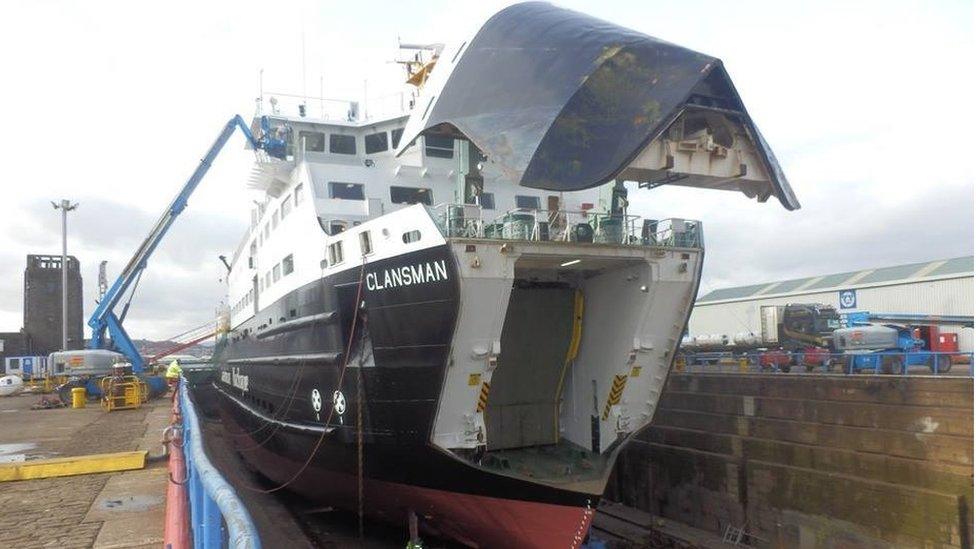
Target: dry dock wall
<point>809,461</point>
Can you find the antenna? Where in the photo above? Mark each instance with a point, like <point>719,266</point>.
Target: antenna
<point>304,71</point>
<point>365,99</point>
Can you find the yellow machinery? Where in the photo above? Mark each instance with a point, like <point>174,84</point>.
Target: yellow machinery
<point>125,392</point>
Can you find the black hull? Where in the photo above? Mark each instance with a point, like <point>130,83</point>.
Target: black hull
<point>298,346</point>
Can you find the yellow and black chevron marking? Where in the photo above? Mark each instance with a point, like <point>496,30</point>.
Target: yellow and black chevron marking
<point>483,397</point>
<point>616,391</point>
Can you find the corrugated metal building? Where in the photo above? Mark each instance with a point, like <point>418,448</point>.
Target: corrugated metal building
<point>943,287</point>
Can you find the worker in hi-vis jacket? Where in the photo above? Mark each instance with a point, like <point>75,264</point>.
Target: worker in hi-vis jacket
<point>173,373</point>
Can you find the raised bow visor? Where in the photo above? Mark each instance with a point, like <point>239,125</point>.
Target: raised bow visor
<point>562,101</point>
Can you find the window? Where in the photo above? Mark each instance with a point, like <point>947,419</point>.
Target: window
<point>342,144</point>
<point>299,193</point>
<point>274,220</point>
<point>486,200</point>
<point>314,141</point>
<point>267,279</point>
<point>439,146</point>
<point>346,191</point>
<point>365,243</point>
<point>285,206</point>
<point>396,135</point>
<point>411,195</point>
<point>528,202</point>
<point>276,273</point>
<point>411,236</point>
<point>335,253</point>
<point>287,265</point>
<point>376,142</point>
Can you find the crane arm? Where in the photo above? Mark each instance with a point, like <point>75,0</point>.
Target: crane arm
<point>104,318</point>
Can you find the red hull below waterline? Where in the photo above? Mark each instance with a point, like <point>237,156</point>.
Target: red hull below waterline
<point>482,521</point>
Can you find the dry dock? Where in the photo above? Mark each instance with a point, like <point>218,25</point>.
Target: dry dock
<point>121,509</point>
<point>809,461</point>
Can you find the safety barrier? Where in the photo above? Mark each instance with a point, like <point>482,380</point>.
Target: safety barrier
<point>881,362</point>
<point>217,518</point>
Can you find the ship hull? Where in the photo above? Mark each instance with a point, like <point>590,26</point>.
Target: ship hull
<point>452,499</point>
<point>277,376</point>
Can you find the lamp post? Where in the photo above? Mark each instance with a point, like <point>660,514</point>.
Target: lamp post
<point>65,206</point>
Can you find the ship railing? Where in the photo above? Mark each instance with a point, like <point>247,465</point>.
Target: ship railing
<point>468,221</point>
<point>218,517</point>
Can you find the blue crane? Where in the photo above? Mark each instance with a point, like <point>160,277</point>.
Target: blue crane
<point>104,320</point>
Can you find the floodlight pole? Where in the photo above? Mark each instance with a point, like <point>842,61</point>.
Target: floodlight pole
<point>65,206</point>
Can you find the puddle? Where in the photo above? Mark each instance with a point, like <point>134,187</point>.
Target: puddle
<point>131,503</point>
<point>15,452</point>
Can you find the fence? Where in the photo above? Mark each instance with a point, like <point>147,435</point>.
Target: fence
<point>822,361</point>
<point>217,518</point>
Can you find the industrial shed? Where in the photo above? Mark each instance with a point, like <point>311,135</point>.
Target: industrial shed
<point>942,287</point>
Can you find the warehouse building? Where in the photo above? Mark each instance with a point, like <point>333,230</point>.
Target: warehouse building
<point>943,287</point>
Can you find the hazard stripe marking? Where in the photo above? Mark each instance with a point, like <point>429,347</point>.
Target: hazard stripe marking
<point>616,391</point>
<point>483,397</point>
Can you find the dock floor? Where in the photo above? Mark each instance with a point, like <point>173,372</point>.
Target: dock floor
<point>107,510</point>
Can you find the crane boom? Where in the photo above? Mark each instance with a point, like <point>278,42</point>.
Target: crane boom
<point>104,318</point>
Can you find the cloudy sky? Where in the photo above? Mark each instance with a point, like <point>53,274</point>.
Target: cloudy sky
<point>111,104</point>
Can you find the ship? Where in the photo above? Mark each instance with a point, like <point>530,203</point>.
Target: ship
<point>452,313</point>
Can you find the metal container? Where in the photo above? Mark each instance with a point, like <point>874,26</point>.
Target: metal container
<point>84,362</point>
<point>78,397</point>
<point>712,340</point>
<point>872,337</point>
<point>748,339</point>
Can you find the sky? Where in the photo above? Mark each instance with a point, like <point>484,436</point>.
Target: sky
<point>111,105</point>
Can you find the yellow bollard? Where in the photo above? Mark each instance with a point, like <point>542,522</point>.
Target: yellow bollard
<point>78,397</point>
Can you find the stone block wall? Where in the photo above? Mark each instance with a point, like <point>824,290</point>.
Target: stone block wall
<point>809,461</point>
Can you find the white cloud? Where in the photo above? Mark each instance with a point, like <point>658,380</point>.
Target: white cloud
<point>113,103</point>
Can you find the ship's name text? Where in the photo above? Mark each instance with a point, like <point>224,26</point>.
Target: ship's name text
<point>422,273</point>
<point>235,378</point>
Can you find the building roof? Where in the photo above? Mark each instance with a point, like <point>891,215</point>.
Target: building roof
<point>895,274</point>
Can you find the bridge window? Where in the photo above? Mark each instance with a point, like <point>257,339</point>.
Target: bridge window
<point>346,191</point>
<point>376,142</point>
<point>486,200</point>
<point>299,193</point>
<point>314,141</point>
<point>342,144</point>
<point>528,202</point>
<point>437,146</point>
<point>411,195</point>
<point>287,265</point>
<point>276,273</point>
<point>396,135</point>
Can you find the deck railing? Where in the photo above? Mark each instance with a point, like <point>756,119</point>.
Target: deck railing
<point>468,221</point>
<point>218,518</point>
